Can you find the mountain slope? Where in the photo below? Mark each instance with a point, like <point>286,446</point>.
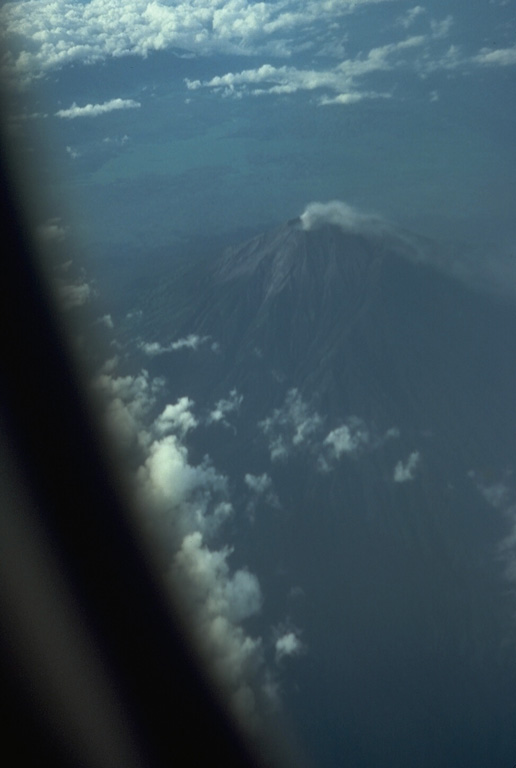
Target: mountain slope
<point>377,403</point>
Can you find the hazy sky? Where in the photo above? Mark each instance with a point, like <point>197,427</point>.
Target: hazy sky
<point>171,117</point>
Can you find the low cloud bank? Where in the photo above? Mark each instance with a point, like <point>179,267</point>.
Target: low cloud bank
<point>218,602</point>
<point>184,506</point>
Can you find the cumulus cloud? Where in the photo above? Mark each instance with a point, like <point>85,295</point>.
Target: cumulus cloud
<point>224,407</point>
<point>154,348</point>
<point>127,402</point>
<point>183,506</point>
<point>176,418</point>
<point>291,427</point>
<point>189,504</point>
<point>344,81</point>
<point>351,438</point>
<point>500,57</point>
<point>52,34</point>
<point>51,232</point>
<point>288,645</point>
<point>258,483</point>
<point>41,35</point>
<point>73,295</point>
<point>94,110</point>
<point>106,321</point>
<point>219,601</point>
<point>262,490</point>
<point>287,641</point>
<point>298,428</point>
<point>186,498</point>
<point>405,472</point>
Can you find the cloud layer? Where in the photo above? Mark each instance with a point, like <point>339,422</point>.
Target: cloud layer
<point>183,507</point>
<point>60,32</point>
<point>45,35</point>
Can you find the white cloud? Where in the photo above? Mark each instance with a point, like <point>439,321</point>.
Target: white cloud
<point>341,79</point>
<point>154,348</point>
<point>441,28</point>
<point>501,57</point>
<point>409,18</point>
<point>258,483</point>
<point>73,153</point>
<point>110,365</point>
<point>350,439</point>
<point>184,498</point>
<point>349,98</point>
<point>127,401</point>
<point>291,427</point>
<point>500,496</point>
<point>51,232</point>
<point>176,418</point>
<point>50,34</point>
<point>350,219</point>
<point>288,644</point>
<point>94,110</point>
<point>497,494</point>
<point>262,490</point>
<point>117,141</point>
<point>224,407</point>
<point>74,295</point>
<point>404,472</point>
<point>342,215</point>
<point>106,321</point>
<point>218,601</point>
<point>183,506</point>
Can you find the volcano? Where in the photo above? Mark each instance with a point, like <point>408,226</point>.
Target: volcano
<point>373,395</point>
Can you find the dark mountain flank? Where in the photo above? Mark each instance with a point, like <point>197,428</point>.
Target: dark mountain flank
<point>352,354</point>
<point>359,323</point>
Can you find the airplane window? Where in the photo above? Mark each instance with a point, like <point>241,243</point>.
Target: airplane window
<point>280,239</point>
